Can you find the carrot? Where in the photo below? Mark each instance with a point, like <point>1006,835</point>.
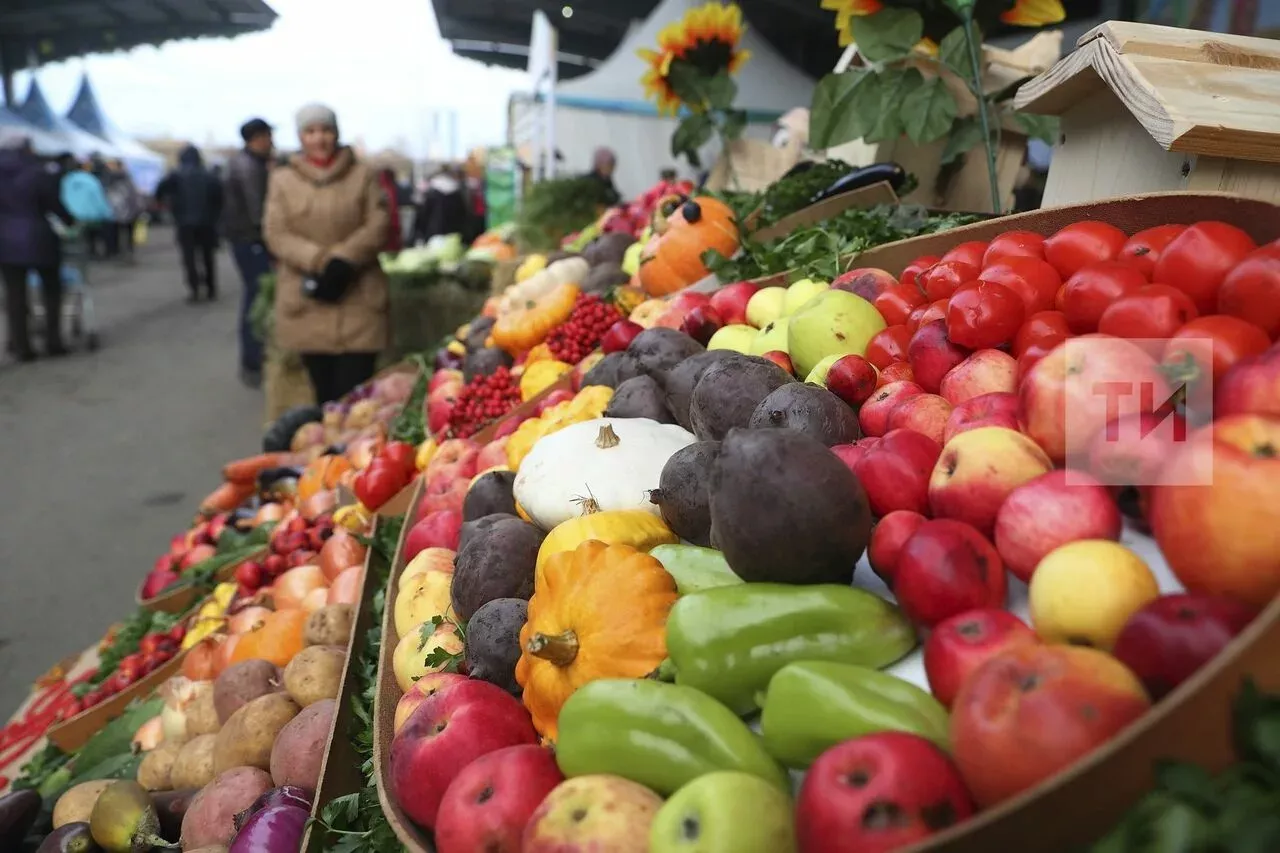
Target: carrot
<point>226,498</point>
<point>246,470</point>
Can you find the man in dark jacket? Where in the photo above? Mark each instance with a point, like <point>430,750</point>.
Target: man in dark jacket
<point>194,197</point>
<point>443,209</point>
<point>603,163</point>
<point>245,192</point>
<point>28,196</point>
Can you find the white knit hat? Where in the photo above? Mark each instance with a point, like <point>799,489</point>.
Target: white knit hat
<point>316,114</point>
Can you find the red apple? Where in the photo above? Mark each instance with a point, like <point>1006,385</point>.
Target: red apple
<point>687,300</point>
<point>1082,384</point>
<point>493,454</point>
<point>887,539</point>
<point>987,371</point>
<point>428,685</point>
<point>945,568</point>
<point>438,414</point>
<point>1129,453</point>
<point>959,645</point>
<point>926,414</point>
<point>619,336</point>
<point>1251,386</point>
<point>899,371</point>
<point>178,545</point>
<point>895,471</point>
<point>853,379</point>
<point>873,417</point>
<point>731,301</point>
<point>1052,510</point>
<point>456,457</point>
<point>867,282</point>
<point>447,731</point>
<point>198,554</point>
<point>510,424</point>
<point>487,805</point>
<point>998,409</point>
<point>443,493</point>
<point>437,530</point>
<point>878,793</point>
<point>978,469</point>
<point>850,453</point>
<point>701,323</point>
<point>932,355</point>
<point>781,359</point>
<point>1172,636</point>
<point>444,377</point>
<point>155,583</point>
<point>1033,710</point>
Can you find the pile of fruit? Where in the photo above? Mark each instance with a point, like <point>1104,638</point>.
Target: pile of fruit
<point>949,430</point>
<point>393,467</point>
<point>154,650</point>
<point>579,335</point>
<point>481,401</point>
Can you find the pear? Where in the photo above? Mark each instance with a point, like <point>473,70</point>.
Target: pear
<point>800,293</point>
<point>835,322</point>
<point>725,812</point>
<point>124,820</point>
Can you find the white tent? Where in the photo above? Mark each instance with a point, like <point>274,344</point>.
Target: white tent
<point>608,106</point>
<point>80,143</point>
<point>43,142</point>
<point>145,166</point>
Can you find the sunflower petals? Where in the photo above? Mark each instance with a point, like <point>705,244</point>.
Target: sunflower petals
<point>1034,13</point>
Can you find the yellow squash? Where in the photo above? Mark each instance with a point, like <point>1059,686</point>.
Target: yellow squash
<point>540,376</point>
<point>635,527</point>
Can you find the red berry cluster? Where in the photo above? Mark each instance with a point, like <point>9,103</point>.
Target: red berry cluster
<point>482,401</point>
<point>576,338</point>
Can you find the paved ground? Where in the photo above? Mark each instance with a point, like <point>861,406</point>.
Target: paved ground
<point>104,456</point>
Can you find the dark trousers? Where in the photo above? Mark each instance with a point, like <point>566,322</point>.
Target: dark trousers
<point>198,240</point>
<point>254,261</point>
<point>333,375</point>
<point>16,309</point>
<point>126,237</point>
<point>96,236</point>
<point>111,237</point>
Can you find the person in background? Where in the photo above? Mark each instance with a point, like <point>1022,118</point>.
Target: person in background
<point>444,207</point>
<point>603,163</point>
<point>245,196</point>
<point>126,206</point>
<point>395,236</point>
<point>668,175</point>
<point>326,221</point>
<point>28,197</point>
<point>477,207</point>
<point>194,197</point>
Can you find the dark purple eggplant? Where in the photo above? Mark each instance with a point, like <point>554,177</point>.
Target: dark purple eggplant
<point>171,806</point>
<point>864,177</point>
<point>70,838</point>
<point>288,795</point>
<point>18,812</point>
<point>275,829</point>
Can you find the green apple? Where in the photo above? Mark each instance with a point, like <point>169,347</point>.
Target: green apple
<point>737,337</point>
<point>800,292</point>
<point>725,812</point>
<point>765,306</point>
<point>771,337</point>
<point>818,376</point>
<point>631,258</point>
<point>835,322</point>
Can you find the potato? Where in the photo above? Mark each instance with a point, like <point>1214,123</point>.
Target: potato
<point>77,803</point>
<point>330,625</point>
<point>242,683</point>
<point>299,748</point>
<point>211,818</point>
<point>193,767</point>
<point>202,715</point>
<point>246,739</point>
<point>155,771</point>
<point>314,674</point>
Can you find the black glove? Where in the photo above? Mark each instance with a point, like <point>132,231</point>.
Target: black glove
<point>332,283</point>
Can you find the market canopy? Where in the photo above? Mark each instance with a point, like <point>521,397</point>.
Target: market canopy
<point>144,165</point>
<point>44,142</point>
<point>36,110</point>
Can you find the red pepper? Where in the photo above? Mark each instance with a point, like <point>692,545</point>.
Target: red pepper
<point>379,483</point>
<point>402,453</point>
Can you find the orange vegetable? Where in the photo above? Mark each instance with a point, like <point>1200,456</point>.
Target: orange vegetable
<point>292,587</point>
<point>346,586</point>
<point>315,599</point>
<point>247,620</point>
<point>278,639</point>
<point>245,471</point>
<point>201,662</point>
<point>674,260</point>
<point>340,551</point>
<point>321,475</point>
<point>225,653</point>
<point>227,497</point>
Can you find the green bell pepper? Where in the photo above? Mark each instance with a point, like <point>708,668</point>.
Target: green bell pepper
<point>695,568</point>
<point>657,734</point>
<point>814,705</point>
<point>728,642</point>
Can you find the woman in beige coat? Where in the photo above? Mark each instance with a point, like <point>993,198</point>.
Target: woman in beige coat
<point>326,220</point>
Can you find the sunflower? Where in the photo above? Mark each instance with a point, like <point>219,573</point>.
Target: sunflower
<point>706,38</point>
<point>1021,13</point>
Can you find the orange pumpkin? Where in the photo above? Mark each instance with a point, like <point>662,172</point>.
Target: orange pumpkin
<point>674,260</point>
<point>321,475</point>
<point>278,639</point>
<point>529,324</point>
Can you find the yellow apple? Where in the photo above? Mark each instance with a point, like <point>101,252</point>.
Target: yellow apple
<point>765,306</point>
<point>428,598</point>
<point>772,338</point>
<point>1084,592</point>
<point>427,560</point>
<point>409,660</point>
<point>801,292</point>
<point>736,337</point>
<point>978,469</point>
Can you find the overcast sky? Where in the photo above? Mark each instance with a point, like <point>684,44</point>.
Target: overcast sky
<point>381,64</point>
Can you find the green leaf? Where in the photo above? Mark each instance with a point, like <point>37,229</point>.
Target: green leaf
<point>719,91</point>
<point>1044,128</point>
<point>844,107</point>
<point>888,34</point>
<point>928,112</point>
<point>116,737</point>
<point>953,52</point>
<point>895,85</point>
<point>732,125</point>
<point>960,7</point>
<point>965,135</point>
<point>692,133</point>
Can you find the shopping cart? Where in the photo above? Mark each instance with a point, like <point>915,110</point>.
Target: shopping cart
<point>79,325</point>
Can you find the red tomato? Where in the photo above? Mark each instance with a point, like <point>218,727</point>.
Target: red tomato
<point>1142,250</point>
<point>916,267</point>
<point>1043,327</point>
<point>983,314</point>
<point>1092,290</point>
<point>1251,290</point>
<point>1216,341</point>
<point>897,301</point>
<point>1014,244</point>
<point>1154,312</point>
<point>896,372</point>
<point>937,310</point>
<point>400,453</point>
<point>888,346</point>
<point>944,278</point>
<point>913,320</point>
<point>1198,259</point>
<point>970,253</point>
<point>1035,280</point>
<point>1082,244</point>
